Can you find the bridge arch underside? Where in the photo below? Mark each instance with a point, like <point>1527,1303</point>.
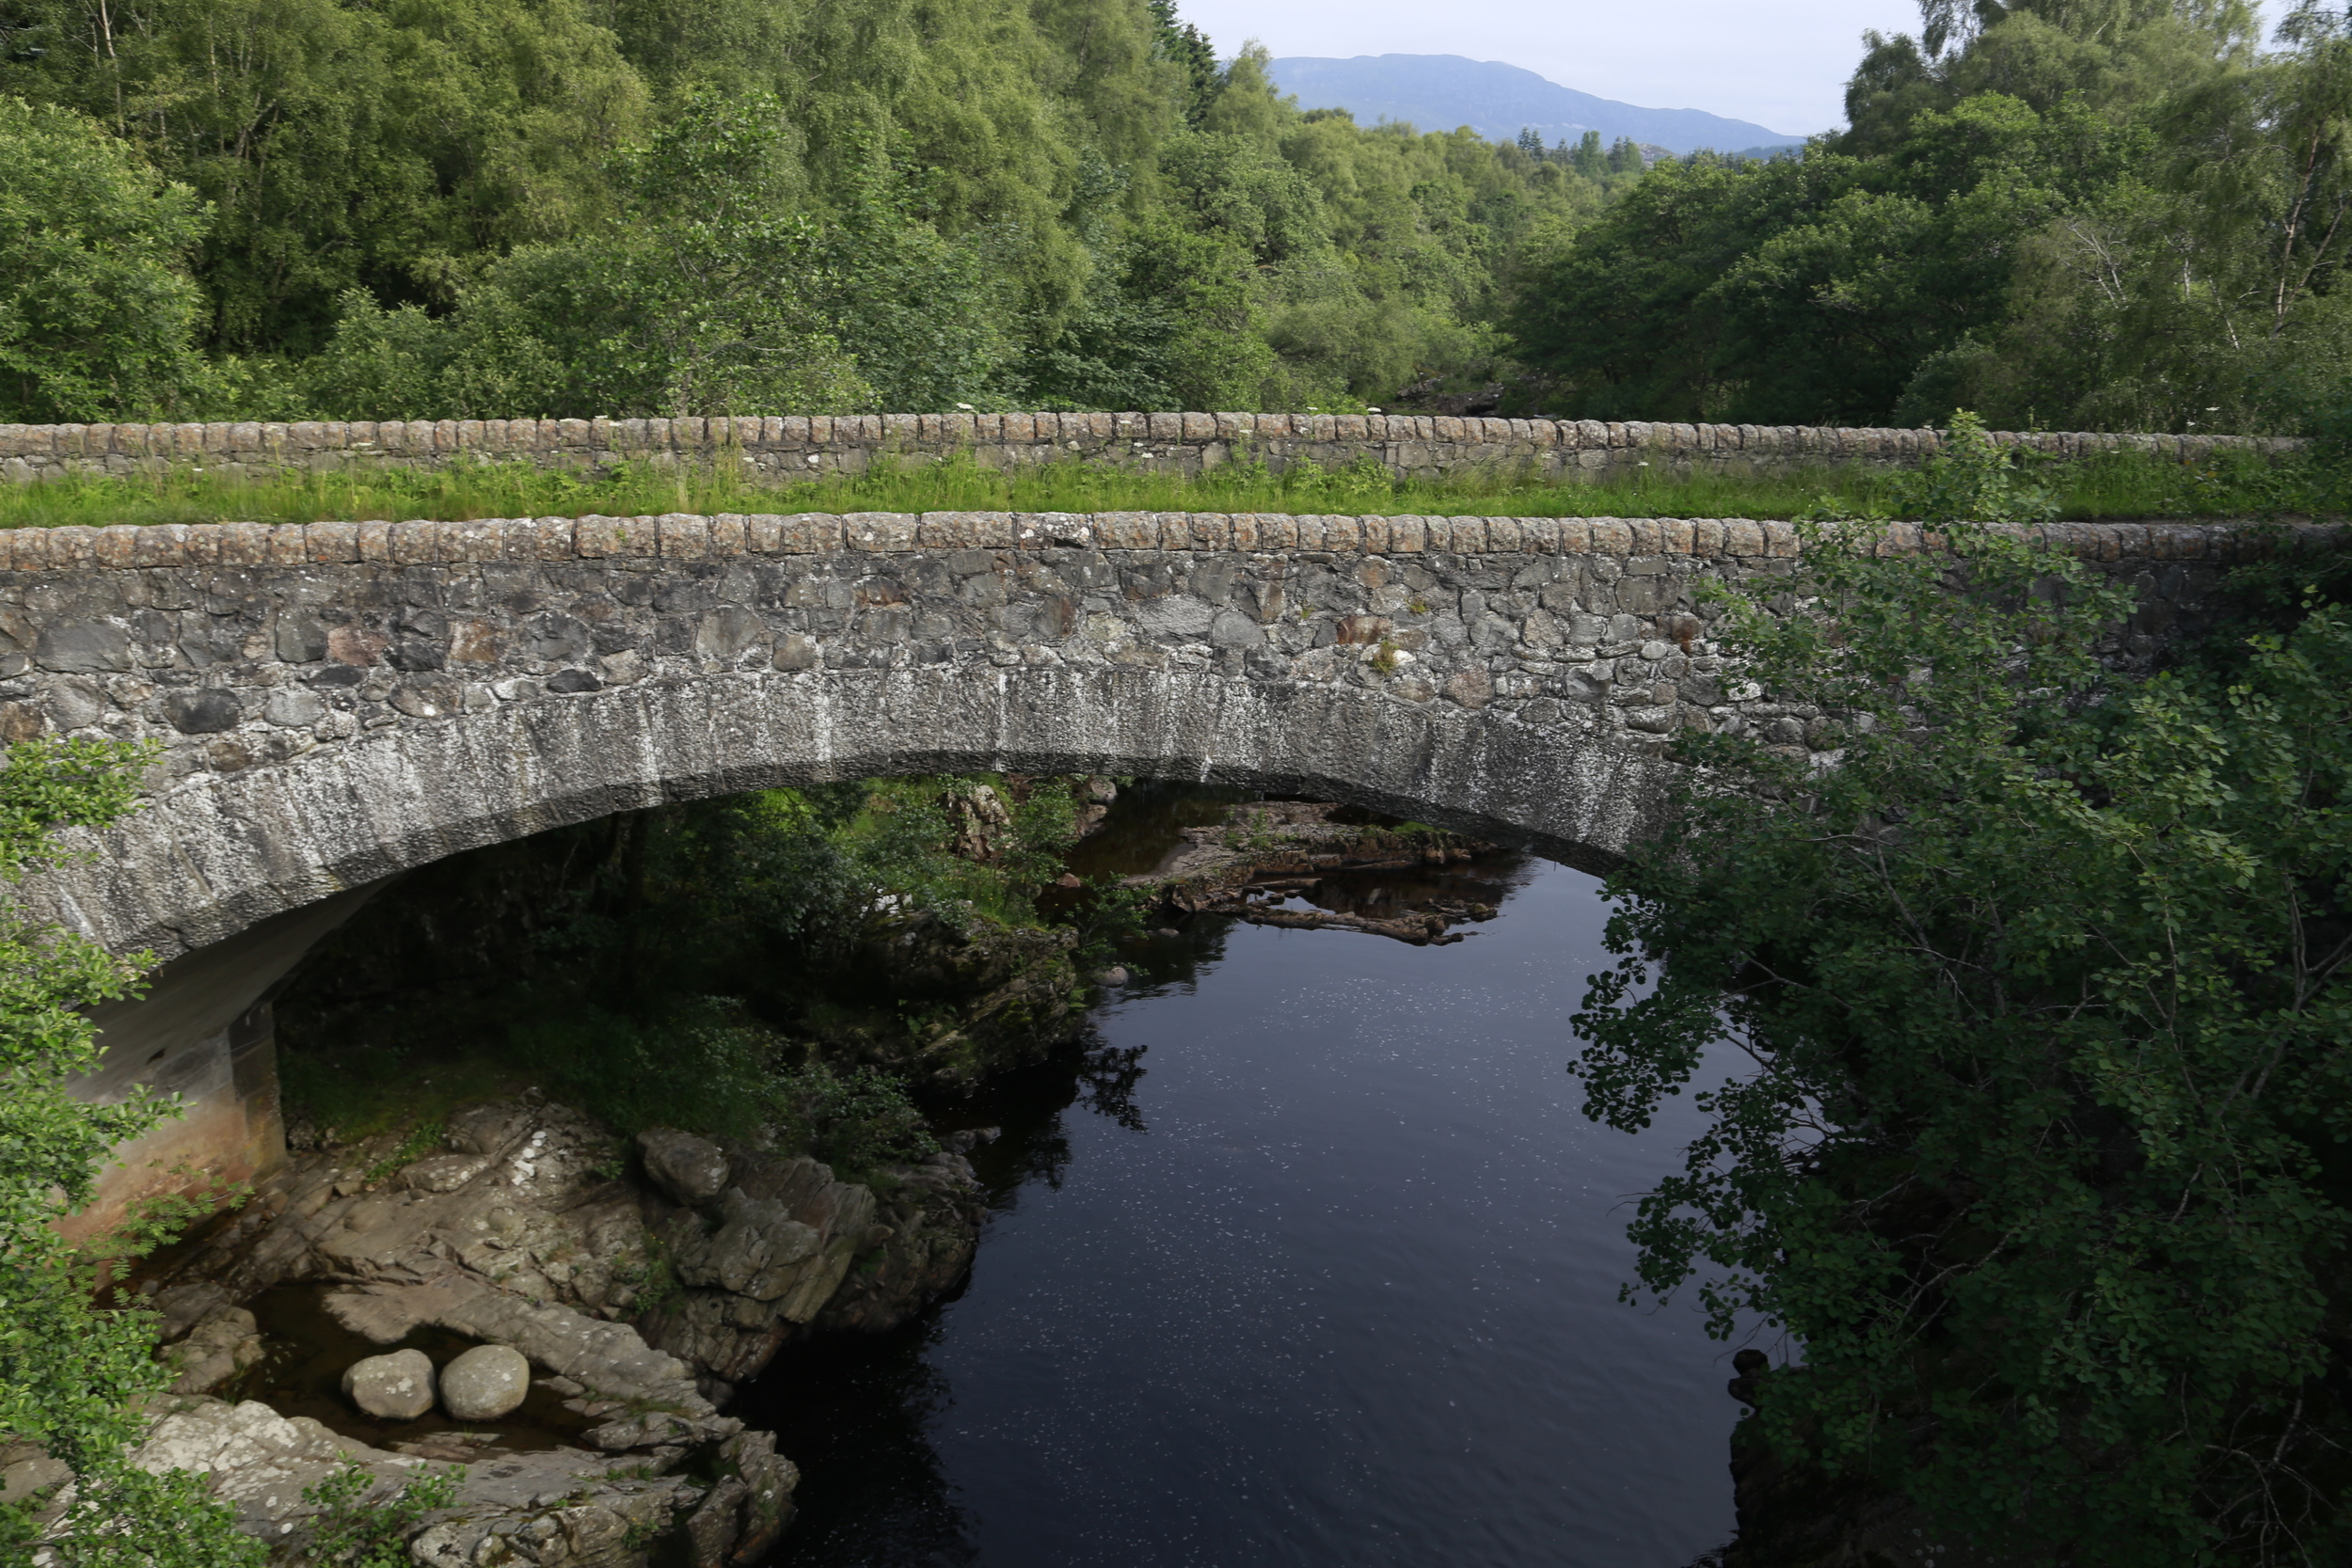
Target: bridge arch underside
<point>219,854</point>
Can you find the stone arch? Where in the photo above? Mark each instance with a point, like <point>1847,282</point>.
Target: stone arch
<point>229,879</point>
<point>218,854</point>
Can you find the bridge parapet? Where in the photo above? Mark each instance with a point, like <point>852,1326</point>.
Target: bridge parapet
<point>790,449</point>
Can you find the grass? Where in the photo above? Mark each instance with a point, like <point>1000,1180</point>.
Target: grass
<point>2114,484</point>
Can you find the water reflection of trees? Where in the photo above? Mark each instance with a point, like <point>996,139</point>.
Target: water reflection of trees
<point>855,1414</point>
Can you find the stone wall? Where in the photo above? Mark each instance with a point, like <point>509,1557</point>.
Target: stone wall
<point>783,450</point>
<point>265,658</point>
<point>337,702</point>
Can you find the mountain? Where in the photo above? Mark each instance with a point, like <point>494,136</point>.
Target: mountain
<point>1438,93</point>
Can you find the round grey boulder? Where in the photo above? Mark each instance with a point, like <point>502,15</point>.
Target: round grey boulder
<point>394,1387</point>
<point>485,1383</point>
<point>692,1170</point>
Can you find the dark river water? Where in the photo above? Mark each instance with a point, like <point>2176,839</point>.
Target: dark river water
<point>1315,1263</point>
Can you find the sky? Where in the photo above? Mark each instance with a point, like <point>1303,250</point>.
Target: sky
<point>1781,65</point>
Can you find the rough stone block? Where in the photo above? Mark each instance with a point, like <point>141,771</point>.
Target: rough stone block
<point>946,531</point>
<point>726,534</point>
<point>811,533</point>
<point>416,542</point>
<point>117,546</point>
<point>160,545</point>
<point>244,543</point>
<point>597,536</point>
<point>683,536</point>
<point>880,530</point>
<point>1034,529</point>
<point>27,549</point>
<point>1127,531</point>
<point>1198,530</point>
<point>1407,535</point>
<point>477,539</point>
<point>637,538</point>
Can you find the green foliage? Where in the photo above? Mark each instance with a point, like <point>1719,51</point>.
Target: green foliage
<point>2038,1028</point>
<point>421,1140</point>
<point>538,206</point>
<point>96,312</point>
<point>696,1063</point>
<point>72,1373</point>
<point>356,1527</point>
<point>2105,217</point>
<point>343,146</point>
<point>672,962</point>
<point>858,1121</point>
<point>1968,479</point>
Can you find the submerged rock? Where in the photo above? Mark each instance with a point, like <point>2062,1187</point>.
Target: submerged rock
<point>485,1383</point>
<point>394,1387</point>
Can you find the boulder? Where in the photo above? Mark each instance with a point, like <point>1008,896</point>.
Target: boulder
<point>757,1251</point>
<point>224,1342</point>
<point>485,1383</point>
<point>692,1170</point>
<point>394,1387</point>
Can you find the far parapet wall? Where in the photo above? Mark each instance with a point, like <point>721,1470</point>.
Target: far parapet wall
<point>781,450</point>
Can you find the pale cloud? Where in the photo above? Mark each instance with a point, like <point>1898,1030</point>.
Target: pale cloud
<point>1780,66</point>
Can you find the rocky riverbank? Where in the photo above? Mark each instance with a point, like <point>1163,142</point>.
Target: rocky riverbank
<point>640,1282</point>
<point>635,1284</point>
<point>1269,856</point>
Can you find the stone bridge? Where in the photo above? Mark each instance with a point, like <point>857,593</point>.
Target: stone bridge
<point>337,702</point>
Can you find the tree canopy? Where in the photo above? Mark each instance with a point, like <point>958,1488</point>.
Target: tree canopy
<point>699,206</point>
<point>2104,216</point>
<point>2021,1035</point>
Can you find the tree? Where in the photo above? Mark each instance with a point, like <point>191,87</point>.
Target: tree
<point>72,1371</point>
<point>97,315</point>
<point>342,145</point>
<point>2038,989</point>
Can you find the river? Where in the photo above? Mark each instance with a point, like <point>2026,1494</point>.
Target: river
<point>1317,1263</point>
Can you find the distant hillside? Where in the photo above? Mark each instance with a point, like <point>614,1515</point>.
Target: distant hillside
<point>1438,93</point>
